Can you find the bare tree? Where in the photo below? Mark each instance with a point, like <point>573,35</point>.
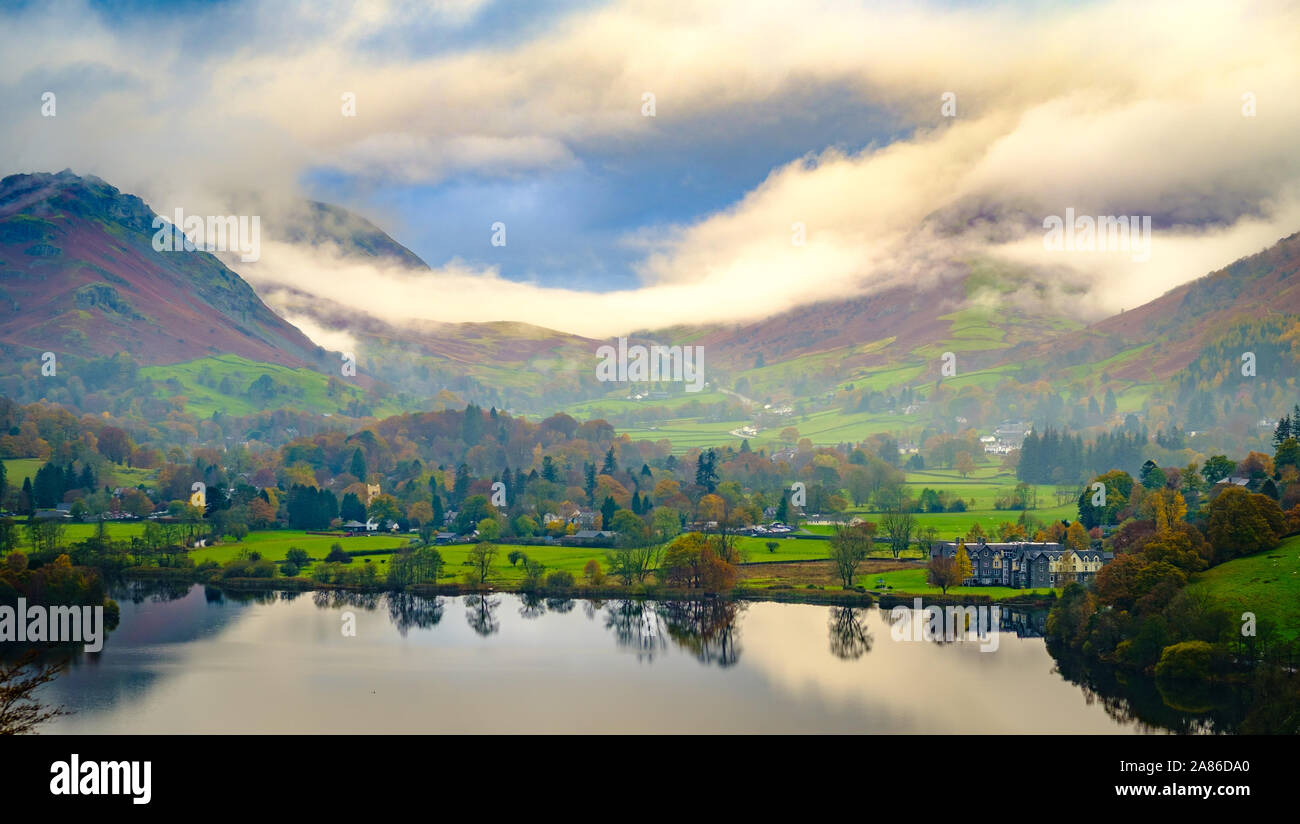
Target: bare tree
<point>898,524</point>
<point>20,712</point>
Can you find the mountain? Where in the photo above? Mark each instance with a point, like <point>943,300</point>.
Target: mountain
<point>1157,341</point>
<point>317,223</point>
<point>79,276</point>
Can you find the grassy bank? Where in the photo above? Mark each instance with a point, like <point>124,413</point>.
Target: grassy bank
<point>1267,584</point>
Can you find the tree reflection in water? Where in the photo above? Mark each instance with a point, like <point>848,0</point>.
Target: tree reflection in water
<point>850,638</point>
<point>636,626</point>
<point>560,605</point>
<point>707,628</point>
<point>137,592</point>
<point>338,598</point>
<point>481,613</point>
<point>531,606</point>
<point>406,610</point>
<point>1140,700</point>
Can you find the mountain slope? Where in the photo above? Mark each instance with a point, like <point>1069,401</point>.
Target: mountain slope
<point>79,276</point>
<point>1172,330</point>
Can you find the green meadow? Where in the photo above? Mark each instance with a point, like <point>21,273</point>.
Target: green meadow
<point>18,469</point>
<point>913,582</point>
<point>1267,584</point>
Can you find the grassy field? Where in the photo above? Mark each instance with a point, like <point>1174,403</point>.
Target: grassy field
<point>305,388</point>
<point>275,544</point>
<point>912,581</point>
<point>784,561</point>
<point>17,469</point>
<point>1267,584</point>
<point>74,532</point>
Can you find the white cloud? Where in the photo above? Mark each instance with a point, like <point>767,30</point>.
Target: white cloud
<point>1104,108</point>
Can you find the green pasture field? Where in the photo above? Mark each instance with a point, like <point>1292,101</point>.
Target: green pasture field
<point>1267,584</point>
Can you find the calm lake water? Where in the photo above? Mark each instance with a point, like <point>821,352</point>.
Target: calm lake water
<point>196,661</point>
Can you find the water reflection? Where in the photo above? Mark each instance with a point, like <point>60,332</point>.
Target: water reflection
<point>637,627</point>
<point>406,611</point>
<point>531,605</point>
<point>1152,706</point>
<point>480,612</point>
<point>707,628</point>
<point>850,638</point>
<point>278,662</point>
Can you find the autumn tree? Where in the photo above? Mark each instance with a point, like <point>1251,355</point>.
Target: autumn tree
<point>1243,523</point>
<point>963,563</point>
<point>964,464</point>
<point>942,573</point>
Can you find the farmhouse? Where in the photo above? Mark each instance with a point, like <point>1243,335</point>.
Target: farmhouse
<point>1024,564</point>
<point>589,537</point>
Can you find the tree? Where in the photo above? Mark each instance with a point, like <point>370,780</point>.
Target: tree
<point>607,510</point>
<point>352,509</point>
<point>706,472</point>
<point>1076,537</point>
<point>1152,476</point>
<point>1167,508</point>
<point>489,529</point>
<point>1243,523</point>
<point>1288,454</point>
<point>20,712</point>
<point>629,526</point>
<point>849,548</point>
<point>114,444</point>
<point>593,573</point>
<point>665,524</point>
<point>1118,487</point>
<point>690,561</point>
<point>418,566</point>
<point>962,563</point>
<point>533,572</point>
<point>474,509</point>
<point>1217,468</point>
<point>358,465</point>
<point>481,557</point>
<point>898,526</point>
<point>8,535</point>
<point>46,535</point>
<point>964,464</point>
<point>384,508</point>
<point>942,573</point>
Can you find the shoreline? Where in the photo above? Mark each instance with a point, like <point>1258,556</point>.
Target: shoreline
<point>789,594</point>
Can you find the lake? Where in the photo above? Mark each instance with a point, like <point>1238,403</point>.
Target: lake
<point>198,661</point>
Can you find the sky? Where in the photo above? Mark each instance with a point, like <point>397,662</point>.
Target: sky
<point>823,121</point>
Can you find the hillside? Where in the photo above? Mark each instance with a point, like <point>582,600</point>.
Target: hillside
<point>1172,330</point>
<point>80,277</point>
<point>1267,584</point>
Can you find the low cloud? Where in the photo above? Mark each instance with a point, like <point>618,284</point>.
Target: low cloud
<point>1103,108</point>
